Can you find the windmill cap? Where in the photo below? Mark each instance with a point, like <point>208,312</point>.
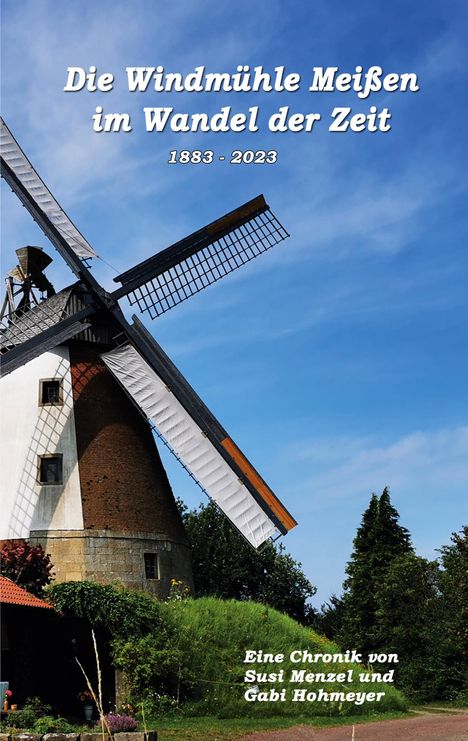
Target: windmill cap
<point>32,260</point>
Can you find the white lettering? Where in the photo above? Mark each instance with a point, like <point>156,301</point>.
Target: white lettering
<point>77,78</point>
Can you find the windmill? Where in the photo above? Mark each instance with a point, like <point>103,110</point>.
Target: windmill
<point>93,488</point>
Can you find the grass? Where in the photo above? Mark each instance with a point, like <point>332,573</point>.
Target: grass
<point>208,728</point>
<point>440,706</point>
<point>192,652</point>
<point>214,729</point>
<point>216,634</point>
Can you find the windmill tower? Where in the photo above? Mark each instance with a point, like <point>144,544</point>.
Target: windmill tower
<point>83,390</point>
<point>80,467</point>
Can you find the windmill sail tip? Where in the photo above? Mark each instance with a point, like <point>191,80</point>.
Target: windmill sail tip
<point>262,489</point>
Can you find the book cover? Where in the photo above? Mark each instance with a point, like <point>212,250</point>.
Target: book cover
<point>234,364</point>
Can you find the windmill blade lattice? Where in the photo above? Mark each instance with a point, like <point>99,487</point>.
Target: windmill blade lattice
<point>201,259</point>
<point>136,360</point>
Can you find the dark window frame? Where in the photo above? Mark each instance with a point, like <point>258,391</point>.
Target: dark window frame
<point>42,382</point>
<point>48,456</point>
<point>151,562</point>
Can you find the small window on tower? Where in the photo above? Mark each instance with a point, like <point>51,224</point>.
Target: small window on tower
<point>151,566</point>
<point>50,391</point>
<point>50,469</point>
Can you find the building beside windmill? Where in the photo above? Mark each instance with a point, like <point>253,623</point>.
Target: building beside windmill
<point>80,470</point>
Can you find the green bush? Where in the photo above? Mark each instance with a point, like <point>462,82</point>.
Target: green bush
<point>49,724</point>
<point>120,611</point>
<point>203,665</point>
<point>32,710</point>
<point>187,655</point>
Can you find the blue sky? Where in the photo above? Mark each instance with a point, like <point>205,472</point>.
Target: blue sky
<point>338,361</point>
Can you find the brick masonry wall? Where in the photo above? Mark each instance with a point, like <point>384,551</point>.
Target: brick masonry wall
<point>123,483</point>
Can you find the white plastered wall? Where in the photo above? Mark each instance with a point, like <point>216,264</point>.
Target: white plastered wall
<point>29,430</point>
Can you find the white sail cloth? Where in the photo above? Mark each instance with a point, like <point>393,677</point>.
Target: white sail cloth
<point>190,444</point>
<point>37,189</point>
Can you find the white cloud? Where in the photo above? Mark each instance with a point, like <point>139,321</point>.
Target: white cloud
<point>422,461</point>
<point>42,39</point>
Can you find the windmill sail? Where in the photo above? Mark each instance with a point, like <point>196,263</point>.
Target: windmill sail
<point>188,266</point>
<point>17,167</point>
<point>139,364</point>
<point>200,442</point>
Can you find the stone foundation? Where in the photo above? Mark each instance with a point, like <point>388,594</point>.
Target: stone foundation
<point>122,736</point>
<point>105,556</point>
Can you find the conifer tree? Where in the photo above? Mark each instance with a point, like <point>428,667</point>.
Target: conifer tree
<point>454,588</point>
<point>379,540</point>
<point>392,539</point>
<point>409,624</point>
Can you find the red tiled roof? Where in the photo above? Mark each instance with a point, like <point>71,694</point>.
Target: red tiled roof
<point>12,594</point>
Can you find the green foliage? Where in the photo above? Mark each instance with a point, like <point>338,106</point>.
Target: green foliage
<point>121,612</point>
<point>379,540</point>
<point>27,565</point>
<point>454,588</point>
<point>329,621</point>
<point>421,615</point>
<point>225,565</point>
<point>32,710</point>
<point>409,617</point>
<point>454,584</point>
<point>403,598</point>
<point>189,653</point>
<point>156,666</point>
<point>204,664</point>
<point>49,724</point>
<point>397,602</point>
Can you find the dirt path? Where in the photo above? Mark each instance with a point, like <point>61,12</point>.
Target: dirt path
<point>424,727</point>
